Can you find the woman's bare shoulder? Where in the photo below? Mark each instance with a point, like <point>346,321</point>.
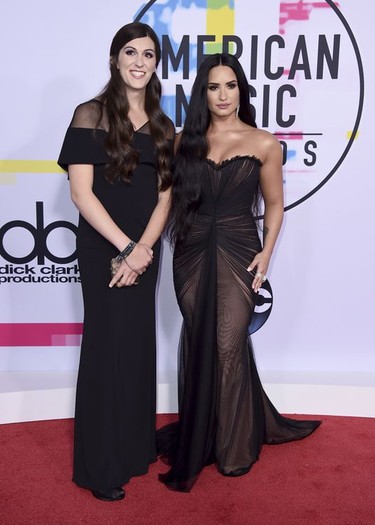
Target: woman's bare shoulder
<point>264,136</point>
<point>265,141</point>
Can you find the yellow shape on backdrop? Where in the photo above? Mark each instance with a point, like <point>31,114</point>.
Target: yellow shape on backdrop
<point>8,179</point>
<point>350,133</point>
<point>29,166</point>
<point>219,22</point>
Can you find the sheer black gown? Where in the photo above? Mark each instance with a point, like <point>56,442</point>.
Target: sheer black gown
<point>114,435</point>
<point>225,415</point>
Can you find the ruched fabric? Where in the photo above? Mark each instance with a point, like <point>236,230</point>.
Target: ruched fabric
<point>225,415</point>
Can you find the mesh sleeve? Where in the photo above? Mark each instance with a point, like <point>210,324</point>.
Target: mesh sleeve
<point>83,144</point>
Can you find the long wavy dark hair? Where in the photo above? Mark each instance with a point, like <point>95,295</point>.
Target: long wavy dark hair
<point>193,146</point>
<point>123,157</point>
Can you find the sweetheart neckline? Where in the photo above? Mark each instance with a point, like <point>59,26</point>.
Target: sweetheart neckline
<point>225,162</point>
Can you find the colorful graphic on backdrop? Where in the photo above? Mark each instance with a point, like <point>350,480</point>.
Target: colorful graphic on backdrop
<point>300,57</point>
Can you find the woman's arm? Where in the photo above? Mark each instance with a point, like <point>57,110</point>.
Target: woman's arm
<point>271,183</point>
<point>158,219</point>
<point>153,230</point>
<point>81,178</point>
<point>156,223</point>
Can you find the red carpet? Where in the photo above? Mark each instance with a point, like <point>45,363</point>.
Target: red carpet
<point>328,478</point>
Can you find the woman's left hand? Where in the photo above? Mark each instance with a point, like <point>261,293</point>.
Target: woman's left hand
<point>260,263</point>
<point>125,276</point>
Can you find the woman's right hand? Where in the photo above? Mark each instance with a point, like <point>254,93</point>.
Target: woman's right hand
<point>134,265</point>
<point>140,258</point>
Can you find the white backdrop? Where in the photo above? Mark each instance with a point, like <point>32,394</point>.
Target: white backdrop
<point>55,56</point>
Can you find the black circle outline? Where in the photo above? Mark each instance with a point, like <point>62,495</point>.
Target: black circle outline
<point>360,102</point>
<point>260,319</point>
<point>144,10</point>
<point>359,112</point>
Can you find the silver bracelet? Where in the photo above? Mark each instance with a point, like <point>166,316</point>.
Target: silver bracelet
<point>126,251</point>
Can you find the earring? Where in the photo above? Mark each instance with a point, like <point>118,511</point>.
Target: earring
<point>237,111</point>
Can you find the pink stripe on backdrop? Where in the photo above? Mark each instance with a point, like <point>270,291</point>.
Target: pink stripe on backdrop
<point>40,334</point>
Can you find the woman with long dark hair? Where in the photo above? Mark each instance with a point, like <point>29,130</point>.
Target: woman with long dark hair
<point>223,165</point>
<point>117,151</point>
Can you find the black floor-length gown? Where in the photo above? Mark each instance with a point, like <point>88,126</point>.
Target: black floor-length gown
<point>114,436</point>
<point>225,415</point>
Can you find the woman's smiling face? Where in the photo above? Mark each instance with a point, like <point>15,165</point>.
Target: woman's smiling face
<point>136,62</point>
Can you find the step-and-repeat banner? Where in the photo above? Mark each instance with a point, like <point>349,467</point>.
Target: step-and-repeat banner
<point>309,65</point>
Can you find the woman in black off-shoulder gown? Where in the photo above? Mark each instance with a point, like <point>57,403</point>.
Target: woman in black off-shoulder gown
<point>114,436</point>
<point>219,265</point>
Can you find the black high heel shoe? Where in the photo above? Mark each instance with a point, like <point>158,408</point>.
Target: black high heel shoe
<point>109,494</point>
<point>236,472</point>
